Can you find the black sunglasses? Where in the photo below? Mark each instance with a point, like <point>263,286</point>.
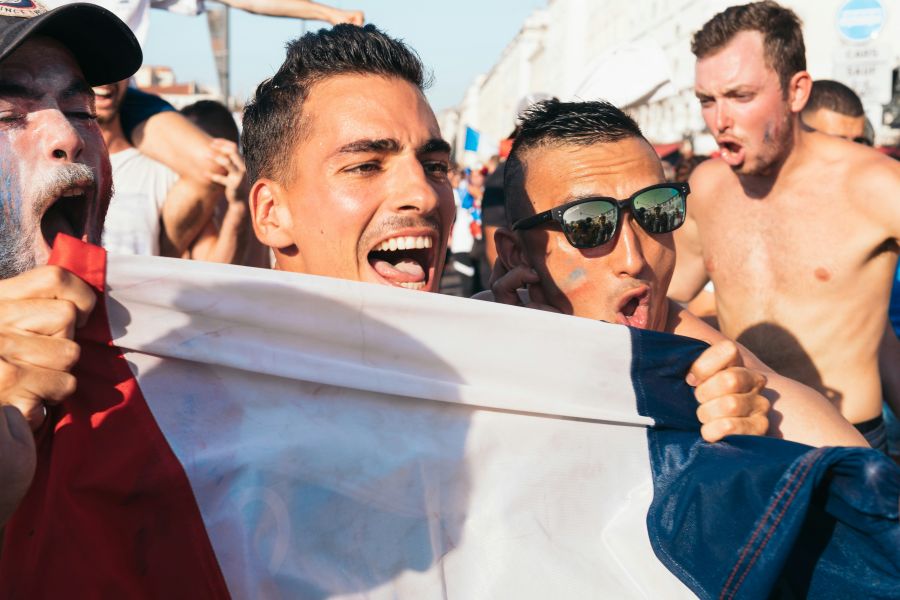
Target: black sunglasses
<point>591,222</point>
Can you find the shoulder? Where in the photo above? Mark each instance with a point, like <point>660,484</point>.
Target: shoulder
<point>709,179</point>
<point>685,323</point>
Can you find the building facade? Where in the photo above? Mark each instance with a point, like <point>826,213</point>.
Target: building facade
<point>636,54</point>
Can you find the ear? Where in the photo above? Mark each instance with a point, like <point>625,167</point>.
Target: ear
<point>799,89</point>
<point>271,218</point>
<point>510,249</point>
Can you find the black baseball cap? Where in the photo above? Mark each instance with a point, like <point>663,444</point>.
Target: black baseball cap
<point>104,46</point>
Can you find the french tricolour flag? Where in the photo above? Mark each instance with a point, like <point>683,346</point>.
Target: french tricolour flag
<point>254,434</point>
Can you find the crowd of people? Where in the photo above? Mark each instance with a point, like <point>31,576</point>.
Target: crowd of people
<point>341,171</point>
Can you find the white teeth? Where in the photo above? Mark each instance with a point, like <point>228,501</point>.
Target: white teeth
<point>72,192</point>
<point>405,243</point>
<point>413,285</point>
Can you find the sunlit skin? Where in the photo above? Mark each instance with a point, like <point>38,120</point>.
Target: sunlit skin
<point>834,123</point>
<point>799,238</point>
<point>108,99</point>
<point>370,165</point>
<point>596,282</point>
<point>46,122</point>
<point>744,106</point>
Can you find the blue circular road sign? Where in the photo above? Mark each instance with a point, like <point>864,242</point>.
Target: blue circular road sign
<point>861,20</point>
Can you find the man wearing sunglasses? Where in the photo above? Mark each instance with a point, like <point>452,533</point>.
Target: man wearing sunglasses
<point>591,236</point>
<point>798,230</point>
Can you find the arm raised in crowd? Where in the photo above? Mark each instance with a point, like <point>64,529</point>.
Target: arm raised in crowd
<point>299,9</point>
<point>227,242</point>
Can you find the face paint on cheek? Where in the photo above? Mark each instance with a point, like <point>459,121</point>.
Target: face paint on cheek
<point>768,137</point>
<point>575,278</point>
<point>16,242</point>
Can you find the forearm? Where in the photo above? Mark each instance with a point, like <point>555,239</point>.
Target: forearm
<point>296,9</point>
<point>230,234</point>
<point>800,414</point>
<point>188,208</point>
<point>170,138</point>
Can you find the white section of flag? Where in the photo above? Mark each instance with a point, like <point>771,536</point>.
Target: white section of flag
<point>346,440</point>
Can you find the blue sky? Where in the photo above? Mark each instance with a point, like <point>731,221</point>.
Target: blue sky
<point>457,40</point>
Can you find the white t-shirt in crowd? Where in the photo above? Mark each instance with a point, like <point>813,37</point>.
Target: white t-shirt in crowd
<point>136,13</point>
<point>132,223</point>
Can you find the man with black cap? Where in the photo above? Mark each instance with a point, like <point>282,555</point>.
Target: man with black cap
<point>55,179</point>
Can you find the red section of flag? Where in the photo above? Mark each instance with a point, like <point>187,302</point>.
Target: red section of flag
<point>110,513</point>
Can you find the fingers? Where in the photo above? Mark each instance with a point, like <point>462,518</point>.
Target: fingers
<point>28,388</point>
<point>55,318</point>
<point>505,287</point>
<point>733,406</point>
<point>732,380</point>
<point>353,17</point>
<point>720,428</point>
<point>714,359</point>
<point>59,354</point>
<point>50,283</point>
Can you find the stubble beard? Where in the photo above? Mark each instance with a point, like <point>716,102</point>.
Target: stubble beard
<point>18,234</point>
<point>776,146</point>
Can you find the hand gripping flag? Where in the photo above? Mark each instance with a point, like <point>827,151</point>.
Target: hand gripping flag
<point>256,434</point>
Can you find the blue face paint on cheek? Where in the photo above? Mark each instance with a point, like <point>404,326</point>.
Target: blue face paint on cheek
<point>10,191</point>
<point>576,276</point>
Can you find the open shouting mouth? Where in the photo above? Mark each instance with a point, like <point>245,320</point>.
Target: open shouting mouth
<point>731,151</point>
<point>633,308</point>
<point>67,213</point>
<point>406,261</point>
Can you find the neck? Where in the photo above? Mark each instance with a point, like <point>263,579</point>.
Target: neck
<point>114,136</point>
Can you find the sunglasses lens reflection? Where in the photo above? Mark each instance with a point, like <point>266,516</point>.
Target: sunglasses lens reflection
<point>660,210</point>
<point>590,224</point>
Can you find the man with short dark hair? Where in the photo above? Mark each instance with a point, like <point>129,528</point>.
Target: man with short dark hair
<point>574,164</point>
<point>346,161</point>
<point>835,109</point>
<point>797,230</point>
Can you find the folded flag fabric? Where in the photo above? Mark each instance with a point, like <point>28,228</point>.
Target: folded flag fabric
<point>254,434</point>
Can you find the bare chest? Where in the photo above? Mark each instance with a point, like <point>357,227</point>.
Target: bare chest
<point>797,244</point>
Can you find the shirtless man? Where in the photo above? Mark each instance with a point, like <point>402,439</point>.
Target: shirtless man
<point>797,229</point>
<point>570,154</point>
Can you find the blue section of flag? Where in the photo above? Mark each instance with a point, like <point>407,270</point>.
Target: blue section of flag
<point>472,138</point>
<point>755,517</point>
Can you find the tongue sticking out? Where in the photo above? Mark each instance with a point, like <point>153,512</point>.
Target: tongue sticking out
<point>405,271</point>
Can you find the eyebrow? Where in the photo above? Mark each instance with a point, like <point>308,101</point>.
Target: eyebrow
<point>381,146</point>
<point>435,145</point>
<point>78,87</point>
<point>392,146</point>
<point>17,91</point>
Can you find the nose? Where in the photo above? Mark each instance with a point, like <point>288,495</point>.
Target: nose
<point>627,256</point>
<point>722,117</point>
<point>61,142</point>
<point>413,190</point>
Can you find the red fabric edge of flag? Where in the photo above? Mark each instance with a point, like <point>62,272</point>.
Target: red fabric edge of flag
<point>111,512</point>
